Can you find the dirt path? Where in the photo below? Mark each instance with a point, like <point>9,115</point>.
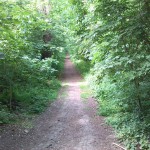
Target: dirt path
<point>68,124</point>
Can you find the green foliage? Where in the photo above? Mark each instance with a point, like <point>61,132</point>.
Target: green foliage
<point>114,38</point>
<point>86,92</point>
<point>36,98</point>
<point>31,57</point>
<point>5,116</point>
<point>82,66</point>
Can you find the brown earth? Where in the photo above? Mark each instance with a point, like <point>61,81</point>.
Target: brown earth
<point>67,124</point>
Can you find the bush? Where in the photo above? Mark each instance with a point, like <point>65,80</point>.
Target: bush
<point>28,81</point>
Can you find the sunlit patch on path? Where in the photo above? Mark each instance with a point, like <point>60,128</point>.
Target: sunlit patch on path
<point>74,83</point>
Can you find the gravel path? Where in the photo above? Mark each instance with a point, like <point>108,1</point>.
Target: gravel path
<point>68,124</point>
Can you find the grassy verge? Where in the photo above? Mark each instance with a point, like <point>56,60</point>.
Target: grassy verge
<point>29,100</point>
<point>86,92</point>
<point>81,65</point>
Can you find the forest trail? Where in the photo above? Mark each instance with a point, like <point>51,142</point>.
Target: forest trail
<point>68,124</point>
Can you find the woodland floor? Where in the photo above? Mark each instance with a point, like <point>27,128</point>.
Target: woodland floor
<point>69,123</point>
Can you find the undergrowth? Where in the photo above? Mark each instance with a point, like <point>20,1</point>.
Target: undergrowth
<point>28,99</point>
<point>82,65</point>
<point>131,128</point>
<point>32,53</point>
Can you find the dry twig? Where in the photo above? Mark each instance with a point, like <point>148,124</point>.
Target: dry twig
<point>118,146</point>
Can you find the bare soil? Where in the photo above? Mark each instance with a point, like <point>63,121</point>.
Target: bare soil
<point>67,124</point>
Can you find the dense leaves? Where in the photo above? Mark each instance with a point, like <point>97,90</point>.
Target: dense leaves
<point>115,39</point>
<point>31,57</point>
